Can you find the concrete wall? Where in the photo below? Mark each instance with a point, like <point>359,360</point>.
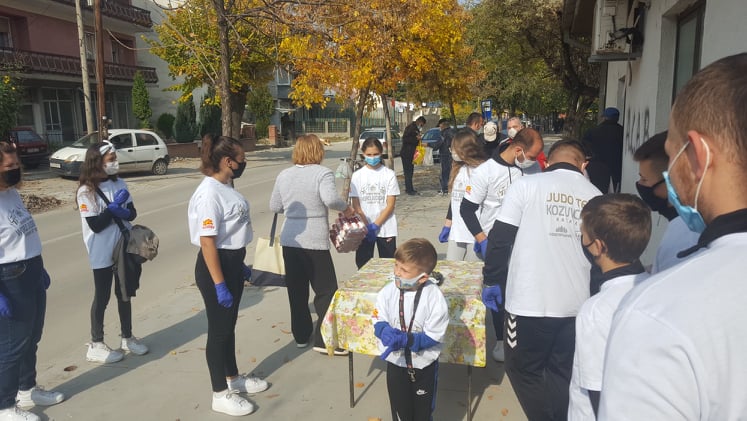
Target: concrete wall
<point>643,89</point>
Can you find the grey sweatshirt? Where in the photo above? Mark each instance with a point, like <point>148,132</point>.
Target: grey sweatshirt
<point>303,194</point>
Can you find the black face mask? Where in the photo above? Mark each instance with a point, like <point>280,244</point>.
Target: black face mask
<point>656,203</point>
<point>590,257</point>
<point>11,177</point>
<point>238,171</point>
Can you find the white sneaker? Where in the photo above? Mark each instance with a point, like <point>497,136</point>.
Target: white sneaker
<point>229,402</point>
<point>248,384</point>
<point>99,352</point>
<point>134,345</point>
<point>15,413</point>
<point>498,352</point>
<point>38,396</point>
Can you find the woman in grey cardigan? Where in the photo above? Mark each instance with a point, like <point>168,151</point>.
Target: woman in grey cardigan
<point>304,193</point>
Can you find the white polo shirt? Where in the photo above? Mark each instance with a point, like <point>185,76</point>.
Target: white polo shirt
<point>431,318</point>
<point>372,186</point>
<point>592,329</point>
<point>19,238</point>
<point>459,232</point>
<point>677,346</point>
<point>100,245</point>
<point>548,275</point>
<point>216,209</point>
<point>487,186</point>
<point>677,237</point>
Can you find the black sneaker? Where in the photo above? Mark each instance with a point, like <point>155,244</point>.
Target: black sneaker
<point>413,193</point>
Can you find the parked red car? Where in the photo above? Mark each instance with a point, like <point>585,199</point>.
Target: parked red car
<point>32,149</point>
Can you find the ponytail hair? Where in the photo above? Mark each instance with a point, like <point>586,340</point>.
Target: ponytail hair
<point>214,149</point>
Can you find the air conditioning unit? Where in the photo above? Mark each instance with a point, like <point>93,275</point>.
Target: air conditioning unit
<point>616,34</point>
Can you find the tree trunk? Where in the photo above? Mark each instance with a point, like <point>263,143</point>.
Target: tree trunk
<point>355,144</point>
<point>453,114</point>
<point>388,132</point>
<point>224,82</point>
<point>577,106</point>
<point>237,103</point>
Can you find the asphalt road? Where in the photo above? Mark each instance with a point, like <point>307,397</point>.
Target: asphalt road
<point>171,382</point>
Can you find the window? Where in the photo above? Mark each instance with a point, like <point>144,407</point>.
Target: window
<point>121,141</point>
<point>89,42</point>
<point>5,39</point>
<point>145,139</point>
<point>688,48</point>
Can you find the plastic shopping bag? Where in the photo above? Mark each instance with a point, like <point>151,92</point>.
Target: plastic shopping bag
<point>419,156</point>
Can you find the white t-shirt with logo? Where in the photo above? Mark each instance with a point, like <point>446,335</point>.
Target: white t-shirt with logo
<point>677,237</point>
<point>217,210</point>
<point>459,232</point>
<point>431,318</point>
<point>548,274</point>
<point>676,347</point>
<point>487,186</point>
<point>19,238</point>
<point>100,245</point>
<point>592,329</point>
<point>372,186</point>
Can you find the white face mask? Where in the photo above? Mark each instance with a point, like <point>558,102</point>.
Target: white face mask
<point>512,132</point>
<point>524,165</point>
<point>455,157</point>
<point>404,283</point>
<point>111,168</point>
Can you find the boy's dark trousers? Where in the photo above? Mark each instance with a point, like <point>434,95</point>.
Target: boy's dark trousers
<point>412,401</point>
<point>365,251</point>
<point>539,360</point>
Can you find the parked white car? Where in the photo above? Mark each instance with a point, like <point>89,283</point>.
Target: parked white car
<point>137,150</point>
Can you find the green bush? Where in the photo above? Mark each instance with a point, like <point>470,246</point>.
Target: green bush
<point>210,115</point>
<point>261,105</point>
<point>165,125</point>
<point>141,101</point>
<point>185,127</point>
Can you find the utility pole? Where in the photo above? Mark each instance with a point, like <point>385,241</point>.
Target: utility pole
<point>84,67</point>
<point>100,77</point>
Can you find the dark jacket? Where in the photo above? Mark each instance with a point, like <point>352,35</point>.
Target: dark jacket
<point>605,142</point>
<point>444,144</point>
<point>410,136</point>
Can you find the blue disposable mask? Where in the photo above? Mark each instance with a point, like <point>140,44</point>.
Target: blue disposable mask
<point>404,283</point>
<point>373,160</point>
<point>690,215</point>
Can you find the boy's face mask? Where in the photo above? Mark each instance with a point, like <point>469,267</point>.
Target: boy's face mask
<point>404,283</point>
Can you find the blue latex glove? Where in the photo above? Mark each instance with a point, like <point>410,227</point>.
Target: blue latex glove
<point>5,310</point>
<point>46,280</point>
<point>247,273</point>
<point>480,248</point>
<point>393,339</point>
<point>373,230</point>
<point>444,236</point>
<point>121,196</point>
<point>492,297</point>
<point>422,341</point>
<point>380,327</point>
<point>225,298</point>
<point>118,211</point>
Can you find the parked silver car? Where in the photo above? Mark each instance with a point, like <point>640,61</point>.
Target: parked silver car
<point>137,150</point>
<point>378,132</point>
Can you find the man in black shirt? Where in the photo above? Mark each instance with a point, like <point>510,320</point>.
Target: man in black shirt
<point>410,140</point>
<point>606,145</point>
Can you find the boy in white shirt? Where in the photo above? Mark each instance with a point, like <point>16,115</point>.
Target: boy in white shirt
<point>615,229</point>
<point>410,319</point>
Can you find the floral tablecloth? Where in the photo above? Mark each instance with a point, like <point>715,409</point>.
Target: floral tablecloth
<point>349,323</point>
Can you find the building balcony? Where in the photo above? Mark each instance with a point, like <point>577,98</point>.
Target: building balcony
<point>32,62</point>
<point>118,10</point>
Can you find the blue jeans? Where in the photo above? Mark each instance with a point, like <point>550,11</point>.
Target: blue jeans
<point>21,284</point>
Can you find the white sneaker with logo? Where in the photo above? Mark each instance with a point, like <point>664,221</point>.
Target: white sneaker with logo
<point>230,403</point>
<point>15,413</point>
<point>498,354</point>
<point>134,345</point>
<point>99,352</point>
<point>247,384</point>
<point>38,396</point>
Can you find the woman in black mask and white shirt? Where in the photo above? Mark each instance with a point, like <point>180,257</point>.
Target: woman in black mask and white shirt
<point>219,224</point>
<point>23,298</point>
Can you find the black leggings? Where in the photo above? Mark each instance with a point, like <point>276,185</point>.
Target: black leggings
<point>365,251</point>
<point>304,267</point>
<point>412,401</point>
<point>220,351</point>
<point>102,280</point>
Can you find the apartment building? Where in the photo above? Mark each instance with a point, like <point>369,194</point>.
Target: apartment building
<point>40,37</point>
